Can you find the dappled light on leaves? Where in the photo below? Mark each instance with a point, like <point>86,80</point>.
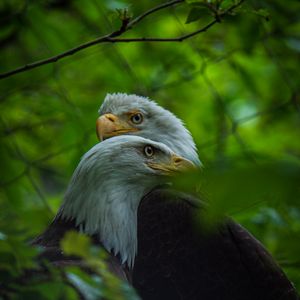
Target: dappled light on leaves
<point>229,69</point>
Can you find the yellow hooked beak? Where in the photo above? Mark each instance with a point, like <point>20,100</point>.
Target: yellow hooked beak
<point>176,164</point>
<point>109,125</point>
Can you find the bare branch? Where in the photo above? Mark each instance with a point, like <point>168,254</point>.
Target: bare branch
<point>151,11</point>
<point>103,39</point>
<point>176,39</point>
<point>112,38</point>
<point>15,179</point>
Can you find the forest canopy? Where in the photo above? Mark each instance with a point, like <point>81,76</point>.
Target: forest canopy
<point>229,69</point>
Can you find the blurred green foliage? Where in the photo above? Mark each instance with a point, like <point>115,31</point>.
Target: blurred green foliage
<point>236,86</point>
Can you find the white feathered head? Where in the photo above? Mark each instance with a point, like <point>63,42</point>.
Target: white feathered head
<point>136,115</point>
<point>108,185</point>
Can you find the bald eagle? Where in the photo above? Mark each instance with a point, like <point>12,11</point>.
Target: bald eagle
<point>175,259</point>
<point>140,116</point>
<point>103,196</point>
<point>149,231</point>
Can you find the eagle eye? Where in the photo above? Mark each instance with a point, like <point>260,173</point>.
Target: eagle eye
<point>137,118</point>
<point>149,151</point>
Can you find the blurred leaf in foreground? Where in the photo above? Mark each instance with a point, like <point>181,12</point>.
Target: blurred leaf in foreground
<point>100,282</point>
<point>232,189</point>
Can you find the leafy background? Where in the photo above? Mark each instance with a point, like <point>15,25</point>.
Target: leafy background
<point>236,86</point>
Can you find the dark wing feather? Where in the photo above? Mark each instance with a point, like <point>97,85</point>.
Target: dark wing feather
<point>178,260</point>
<point>50,241</point>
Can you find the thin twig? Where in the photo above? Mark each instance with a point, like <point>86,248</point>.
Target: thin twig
<point>261,113</point>
<point>35,163</point>
<point>112,38</point>
<point>176,39</point>
<point>153,10</point>
<point>39,192</point>
<point>103,39</point>
<point>16,178</point>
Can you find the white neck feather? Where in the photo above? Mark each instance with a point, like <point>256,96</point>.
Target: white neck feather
<point>109,211</point>
<point>105,191</point>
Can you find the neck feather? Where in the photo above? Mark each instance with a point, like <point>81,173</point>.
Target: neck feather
<point>110,213</point>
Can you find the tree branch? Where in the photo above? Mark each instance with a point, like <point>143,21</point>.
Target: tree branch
<point>176,39</point>
<point>113,38</point>
<point>153,10</point>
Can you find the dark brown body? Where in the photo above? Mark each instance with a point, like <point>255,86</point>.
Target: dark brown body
<point>178,260</point>
<point>50,241</point>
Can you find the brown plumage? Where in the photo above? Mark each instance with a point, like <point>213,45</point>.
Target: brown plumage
<point>150,233</point>
<point>179,260</point>
<point>50,241</point>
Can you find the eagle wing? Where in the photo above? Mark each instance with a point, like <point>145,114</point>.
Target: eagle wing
<point>50,242</point>
<point>179,259</point>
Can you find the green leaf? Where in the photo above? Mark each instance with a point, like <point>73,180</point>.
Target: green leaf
<point>196,13</point>
<point>227,3</point>
<point>75,243</point>
<point>85,285</point>
<point>194,2</point>
<point>234,189</point>
<point>264,13</point>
